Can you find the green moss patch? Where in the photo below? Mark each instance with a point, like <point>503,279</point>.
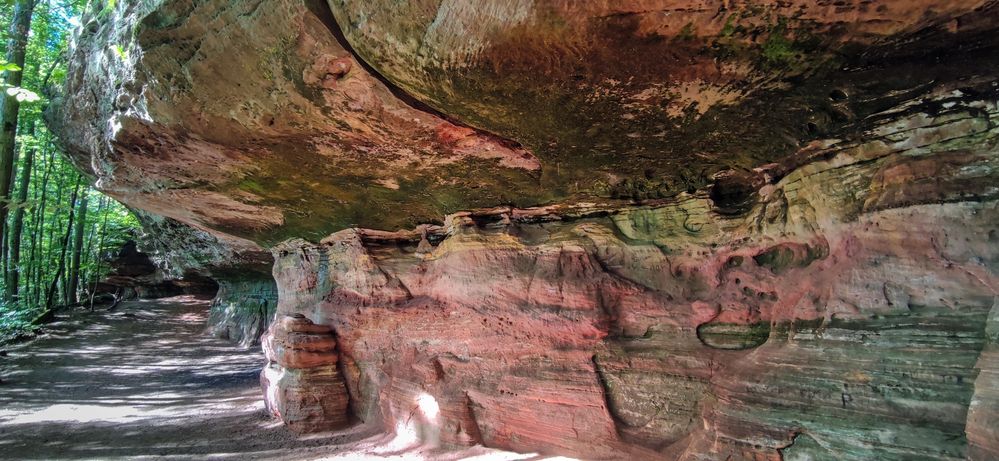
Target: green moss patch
<point>733,336</point>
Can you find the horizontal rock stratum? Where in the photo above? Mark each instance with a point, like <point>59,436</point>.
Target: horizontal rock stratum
<point>621,230</point>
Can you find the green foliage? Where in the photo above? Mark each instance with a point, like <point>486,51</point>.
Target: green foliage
<point>108,225</point>
<point>14,320</point>
<point>120,52</point>
<point>48,198</point>
<point>23,95</point>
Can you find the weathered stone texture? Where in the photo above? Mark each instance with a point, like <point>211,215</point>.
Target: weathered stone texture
<point>841,318</point>
<point>270,120</point>
<point>243,309</point>
<point>215,102</point>
<point>681,230</point>
<point>135,274</point>
<point>301,383</point>
<point>983,414</point>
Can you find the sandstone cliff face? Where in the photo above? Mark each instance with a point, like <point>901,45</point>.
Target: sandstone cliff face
<point>301,382</point>
<point>243,308</point>
<point>134,274</point>
<point>215,103</point>
<point>648,98</point>
<point>271,120</point>
<point>843,317</point>
<point>696,231</point>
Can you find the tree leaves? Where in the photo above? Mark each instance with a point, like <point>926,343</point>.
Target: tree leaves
<point>23,94</point>
<point>120,51</point>
<point>47,203</point>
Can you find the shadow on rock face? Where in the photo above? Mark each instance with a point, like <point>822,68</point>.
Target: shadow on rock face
<point>733,336</point>
<point>734,192</point>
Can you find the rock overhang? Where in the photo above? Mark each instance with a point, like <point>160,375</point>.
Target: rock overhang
<point>761,205</point>
<point>272,120</point>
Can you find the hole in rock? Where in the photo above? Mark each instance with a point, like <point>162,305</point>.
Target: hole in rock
<point>733,336</point>
<point>734,192</point>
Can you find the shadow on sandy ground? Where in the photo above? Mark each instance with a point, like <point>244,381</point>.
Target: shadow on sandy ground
<point>145,382</point>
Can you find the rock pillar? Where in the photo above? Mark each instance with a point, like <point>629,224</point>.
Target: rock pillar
<point>301,382</point>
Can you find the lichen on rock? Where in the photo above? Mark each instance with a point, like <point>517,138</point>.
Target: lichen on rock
<point>243,308</point>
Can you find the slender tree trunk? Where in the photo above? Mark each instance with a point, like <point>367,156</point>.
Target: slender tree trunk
<point>61,268</point>
<point>99,252</point>
<point>27,271</point>
<point>14,266</point>
<point>94,275</point>
<point>100,248</point>
<point>74,275</point>
<point>48,244</point>
<point>37,233</point>
<point>19,27</point>
<point>5,264</point>
<point>87,263</point>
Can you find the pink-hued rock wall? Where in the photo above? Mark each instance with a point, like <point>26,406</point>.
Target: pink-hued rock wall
<point>692,230</point>
<point>844,316</point>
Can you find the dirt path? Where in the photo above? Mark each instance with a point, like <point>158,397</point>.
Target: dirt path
<point>140,382</point>
<point>145,382</point>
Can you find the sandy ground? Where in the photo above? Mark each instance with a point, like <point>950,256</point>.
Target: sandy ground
<point>145,382</point>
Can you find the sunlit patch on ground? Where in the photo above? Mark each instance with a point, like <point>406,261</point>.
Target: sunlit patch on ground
<point>151,385</point>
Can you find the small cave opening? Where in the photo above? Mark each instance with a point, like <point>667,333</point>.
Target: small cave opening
<point>734,192</point>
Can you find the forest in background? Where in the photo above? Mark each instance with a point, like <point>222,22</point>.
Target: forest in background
<point>57,233</point>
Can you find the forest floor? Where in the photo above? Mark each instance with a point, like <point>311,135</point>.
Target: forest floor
<point>145,382</point>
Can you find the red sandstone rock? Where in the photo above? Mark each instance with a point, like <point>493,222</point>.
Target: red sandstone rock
<point>297,323</point>
<point>307,400</point>
<point>830,296</point>
<point>301,382</point>
<point>811,326</point>
<point>464,105</point>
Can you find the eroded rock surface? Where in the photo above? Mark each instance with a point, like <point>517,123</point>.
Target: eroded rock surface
<point>243,308</point>
<point>215,102</point>
<point>301,382</point>
<point>245,295</point>
<point>830,321</point>
<point>696,231</point>
<point>272,119</point>
<point>134,274</point>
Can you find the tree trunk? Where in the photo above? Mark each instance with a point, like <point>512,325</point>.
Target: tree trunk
<point>8,266</point>
<point>87,263</point>
<point>95,253</point>
<point>61,268</point>
<point>19,28</point>
<point>38,232</point>
<point>74,274</point>
<point>53,224</point>
<point>14,267</point>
